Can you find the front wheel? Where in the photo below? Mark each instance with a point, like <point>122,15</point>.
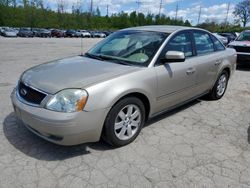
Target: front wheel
<point>220,86</point>
<point>124,122</point>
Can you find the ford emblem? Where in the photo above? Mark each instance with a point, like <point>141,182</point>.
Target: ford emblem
<point>23,92</point>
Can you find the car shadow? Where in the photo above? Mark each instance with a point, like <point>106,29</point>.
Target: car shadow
<point>34,146</point>
<point>248,134</point>
<point>242,67</point>
<point>172,112</point>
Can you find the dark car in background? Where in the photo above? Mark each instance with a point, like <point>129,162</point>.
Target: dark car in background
<point>44,33</point>
<point>230,36</point>
<point>72,33</point>
<point>35,31</point>
<point>242,46</point>
<point>107,33</point>
<point>57,33</point>
<point>25,32</point>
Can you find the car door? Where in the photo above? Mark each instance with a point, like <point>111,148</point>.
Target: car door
<point>207,60</point>
<point>176,80</point>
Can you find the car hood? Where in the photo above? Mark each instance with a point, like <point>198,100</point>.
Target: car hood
<point>73,72</point>
<point>240,43</point>
<point>10,33</point>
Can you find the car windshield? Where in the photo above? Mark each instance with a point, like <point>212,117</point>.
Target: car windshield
<point>10,30</point>
<point>129,47</point>
<point>245,36</point>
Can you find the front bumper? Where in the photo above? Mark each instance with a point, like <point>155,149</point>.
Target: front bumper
<point>243,58</point>
<point>61,128</point>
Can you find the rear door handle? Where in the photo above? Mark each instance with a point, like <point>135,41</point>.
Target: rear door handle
<point>190,71</point>
<point>218,62</point>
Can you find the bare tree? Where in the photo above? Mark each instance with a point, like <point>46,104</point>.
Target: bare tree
<point>5,2</point>
<point>39,4</point>
<point>25,3</point>
<point>77,7</point>
<point>61,6</point>
<point>242,12</point>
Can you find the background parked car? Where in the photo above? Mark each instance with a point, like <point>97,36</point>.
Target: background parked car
<point>43,33</point>
<point>2,30</point>
<point>242,46</point>
<point>230,36</point>
<point>107,33</point>
<point>9,33</point>
<point>57,33</point>
<point>72,33</point>
<point>84,33</point>
<point>25,32</point>
<point>99,35</point>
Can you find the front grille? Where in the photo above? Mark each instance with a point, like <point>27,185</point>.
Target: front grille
<point>245,49</point>
<point>29,94</point>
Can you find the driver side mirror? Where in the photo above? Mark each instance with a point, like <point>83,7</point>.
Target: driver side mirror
<point>174,56</point>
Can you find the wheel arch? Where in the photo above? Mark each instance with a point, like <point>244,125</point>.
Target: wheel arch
<point>227,69</point>
<point>141,96</point>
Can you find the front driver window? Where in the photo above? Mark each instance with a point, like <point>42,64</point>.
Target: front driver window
<point>180,42</point>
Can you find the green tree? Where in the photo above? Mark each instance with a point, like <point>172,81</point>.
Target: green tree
<point>98,12</point>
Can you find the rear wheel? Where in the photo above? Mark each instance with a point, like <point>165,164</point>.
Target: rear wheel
<point>124,122</point>
<point>220,86</point>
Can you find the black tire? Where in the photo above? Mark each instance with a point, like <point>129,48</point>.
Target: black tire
<point>214,93</point>
<point>108,133</point>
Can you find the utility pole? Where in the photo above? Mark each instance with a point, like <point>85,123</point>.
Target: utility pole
<point>160,8</point>
<point>107,10</point>
<point>176,11</point>
<point>138,2</point>
<point>91,7</point>
<point>228,7</point>
<point>199,16</point>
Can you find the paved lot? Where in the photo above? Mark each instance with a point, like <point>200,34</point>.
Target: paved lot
<point>203,144</point>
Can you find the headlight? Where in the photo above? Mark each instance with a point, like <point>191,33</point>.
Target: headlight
<point>69,100</point>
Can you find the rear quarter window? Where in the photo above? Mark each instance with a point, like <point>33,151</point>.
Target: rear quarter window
<point>217,44</point>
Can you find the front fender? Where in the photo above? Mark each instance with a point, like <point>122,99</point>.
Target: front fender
<point>107,93</point>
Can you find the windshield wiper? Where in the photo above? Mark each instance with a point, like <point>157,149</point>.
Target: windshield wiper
<point>104,57</point>
<point>93,56</point>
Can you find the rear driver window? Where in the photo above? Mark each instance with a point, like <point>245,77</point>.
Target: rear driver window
<point>203,43</point>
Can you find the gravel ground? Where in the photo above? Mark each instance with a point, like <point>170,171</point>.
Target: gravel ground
<point>202,144</point>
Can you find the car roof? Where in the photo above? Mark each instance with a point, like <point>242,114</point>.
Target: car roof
<point>161,28</point>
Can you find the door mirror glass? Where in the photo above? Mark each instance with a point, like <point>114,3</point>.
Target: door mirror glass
<point>174,56</point>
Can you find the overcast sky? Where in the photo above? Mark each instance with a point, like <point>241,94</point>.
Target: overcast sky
<point>187,9</point>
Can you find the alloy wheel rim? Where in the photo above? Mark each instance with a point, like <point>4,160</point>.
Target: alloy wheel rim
<point>127,122</point>
<point>222,83</point>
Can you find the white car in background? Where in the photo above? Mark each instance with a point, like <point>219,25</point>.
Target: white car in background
<point>99,35</point>
<point>9,33</point>
<point>85,34</point>
<point>224,40</point>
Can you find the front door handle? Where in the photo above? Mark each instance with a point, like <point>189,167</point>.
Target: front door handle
<point>190,71</point>
<point>218,62</point>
